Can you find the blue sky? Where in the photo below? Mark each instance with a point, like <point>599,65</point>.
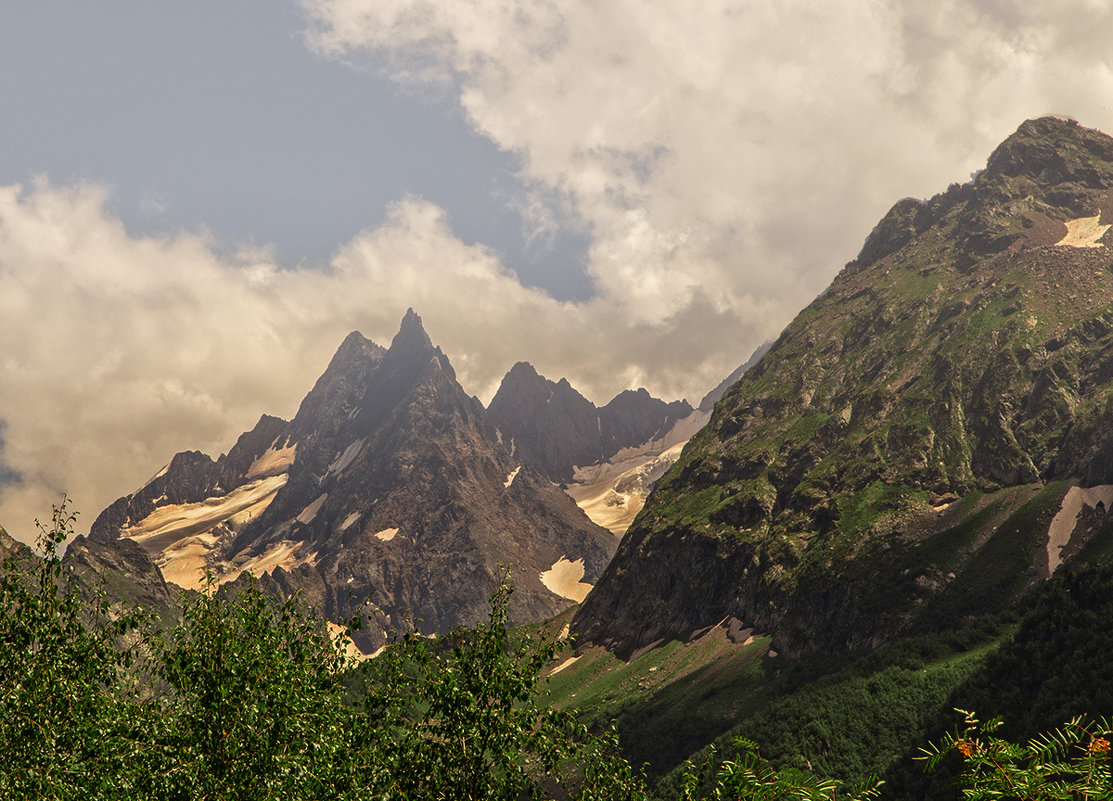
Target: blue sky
<point>198,201</point>
<point>215,115</point>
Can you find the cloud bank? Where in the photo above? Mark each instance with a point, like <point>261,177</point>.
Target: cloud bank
<point>735,153</point>
<point>122,350</point>
<point>724,158</point>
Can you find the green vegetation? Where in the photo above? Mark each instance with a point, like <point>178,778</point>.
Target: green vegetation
<point>246,700</point>
<point>65,721</point>
<point>251,698</point>
<point>1065,764</point>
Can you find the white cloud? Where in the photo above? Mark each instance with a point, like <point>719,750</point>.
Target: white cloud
<point>122,350</point>
<point>738,150</point>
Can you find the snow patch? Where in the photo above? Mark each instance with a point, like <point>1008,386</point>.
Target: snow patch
<point>310,512</point>
<point>180,537</point>
<point>612,493</point>
<point>168,524</point>
<point>273,461</point>
<point>1066,519</point>
<point>510,478</point>
<point>184,563</point>
<point>563,579</point>
<point>339,635</point>
<point>342,462</point>
<point>387,534</point>
<point>566,663</point>
<point>349,520</point>
<point>1084,232</point>
<point>284,554</point>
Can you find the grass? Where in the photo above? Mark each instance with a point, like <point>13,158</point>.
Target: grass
<point>670,700</point>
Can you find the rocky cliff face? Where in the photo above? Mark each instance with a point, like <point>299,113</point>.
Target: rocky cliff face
<point>911,442</point>
<point>11,548</point>
<point>388,489</point>
<point>556,429</point>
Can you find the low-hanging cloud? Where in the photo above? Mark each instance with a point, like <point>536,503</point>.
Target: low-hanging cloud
<point>122,350</point>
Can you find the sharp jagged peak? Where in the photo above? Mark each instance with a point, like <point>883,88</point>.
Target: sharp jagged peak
<point>412,354</point>
<point>411,336</point>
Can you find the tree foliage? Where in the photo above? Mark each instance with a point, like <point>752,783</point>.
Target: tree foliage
<point>249,698</point>
<point>1070,763</point>
<point>65,728</point>
<point>246,699</point>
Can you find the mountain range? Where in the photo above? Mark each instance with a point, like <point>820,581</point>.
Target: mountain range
<point>393,491</point>
<point>388,491</point>
<point>920,466</point>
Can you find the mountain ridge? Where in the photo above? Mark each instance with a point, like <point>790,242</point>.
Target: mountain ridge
<point>964,351</point>
<point>387,491</point>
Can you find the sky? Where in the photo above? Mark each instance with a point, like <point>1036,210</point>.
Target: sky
<point>198,201</point>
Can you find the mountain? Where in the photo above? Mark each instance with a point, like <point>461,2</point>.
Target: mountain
<point>707,404</point>
<point>119,573</point>
<point>925,442</point>
<point>11,548</point>
<point>388,489</point>
<point>556,429</point>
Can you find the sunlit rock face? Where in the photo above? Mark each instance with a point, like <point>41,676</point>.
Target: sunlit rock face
<point>389,490</point>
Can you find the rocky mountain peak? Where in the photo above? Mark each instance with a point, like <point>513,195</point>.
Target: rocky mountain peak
<point>1048,173</point>
<point>521,371</point>
<point>556,429</point>
<point>411,337</point>
<point>354,346</point>
<point>412,353</point>
<point>341,385</point>
<point>1052,151</point>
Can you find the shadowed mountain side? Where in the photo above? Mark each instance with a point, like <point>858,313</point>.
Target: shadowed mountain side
<point>556,429</point>
<point>389,490</point>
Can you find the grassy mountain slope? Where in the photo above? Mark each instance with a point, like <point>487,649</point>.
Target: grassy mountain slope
<point>901,448</point>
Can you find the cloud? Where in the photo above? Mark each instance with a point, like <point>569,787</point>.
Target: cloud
<point>122,350</point>
<point>734,153</point>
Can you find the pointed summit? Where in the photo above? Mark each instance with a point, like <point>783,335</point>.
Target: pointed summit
<point>411,336</point>
<point>355,343</point>
<point>341,385</point>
